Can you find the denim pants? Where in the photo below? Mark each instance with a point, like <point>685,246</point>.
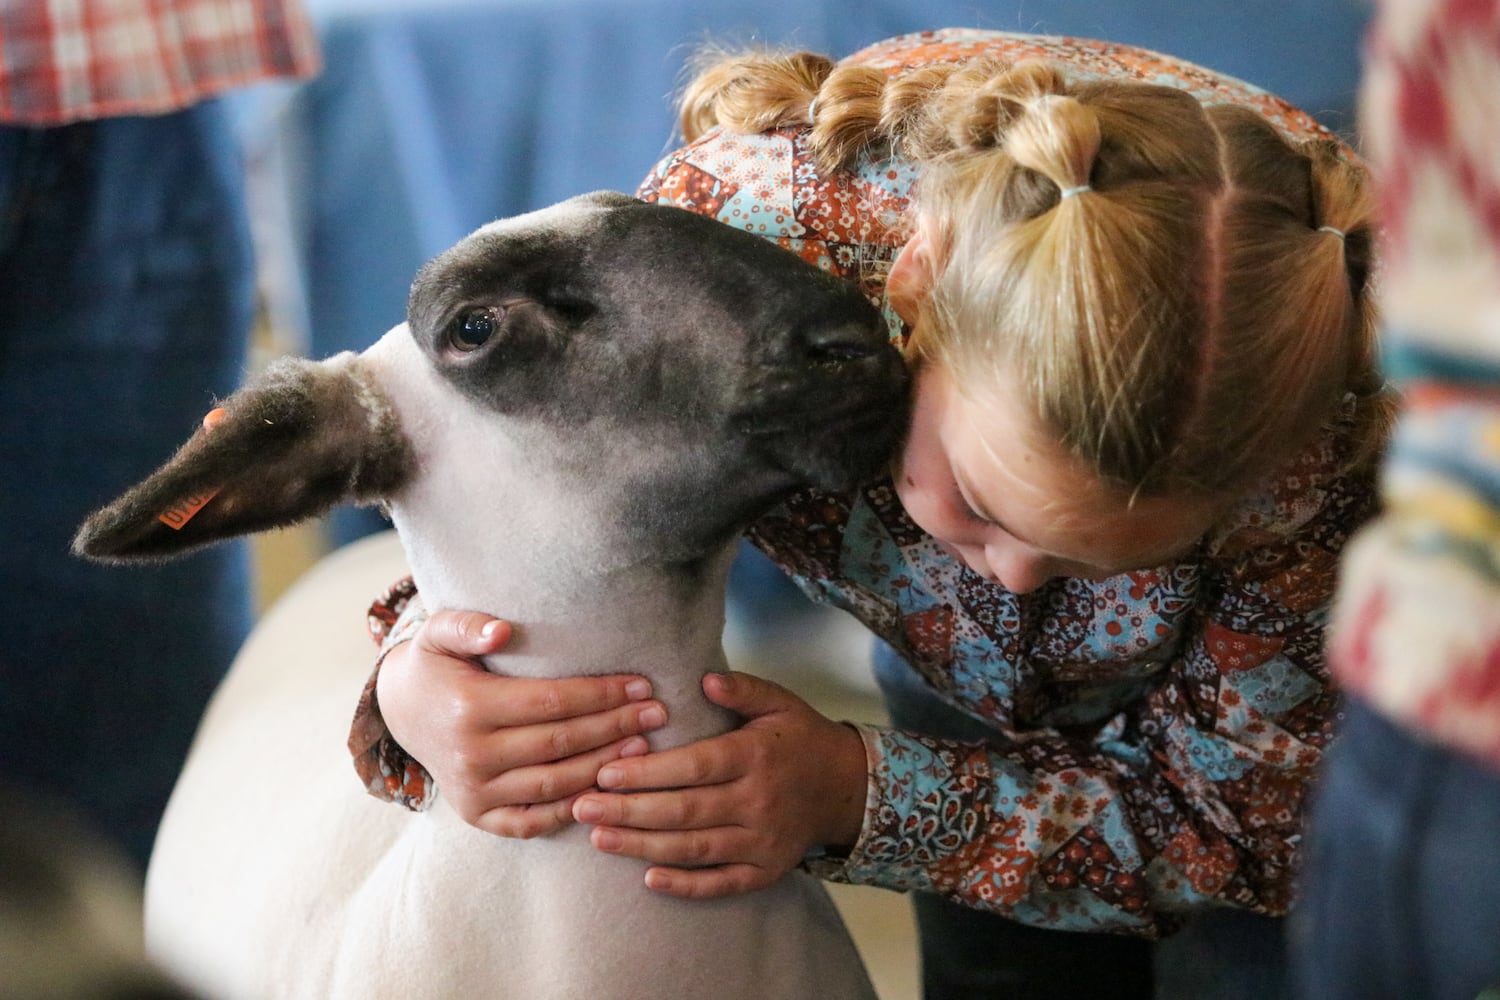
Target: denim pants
<point>1401,878</point>
<point>972,955</point>
<point>126,299</point>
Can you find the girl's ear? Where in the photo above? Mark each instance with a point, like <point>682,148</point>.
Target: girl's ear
<point>911,277</point>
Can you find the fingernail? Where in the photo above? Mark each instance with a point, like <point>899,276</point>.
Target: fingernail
<point>638,690</point>
<point>634,747</point>
<point>610,777</point>
<point>488,628</point>
<point>658,881</point>
<point>653,718</point>
<point>588,812</point>
<point>608,840</point>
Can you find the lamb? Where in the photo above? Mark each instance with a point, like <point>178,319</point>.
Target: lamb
<point>585,407</point>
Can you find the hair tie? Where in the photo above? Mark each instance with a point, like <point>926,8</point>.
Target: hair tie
<point>1330,229</point>
<point>812,109</point>
<point>1069,192</point>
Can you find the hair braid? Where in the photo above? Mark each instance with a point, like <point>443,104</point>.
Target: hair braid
<point>1181,325</point>
<point>1293,315</point>
<point>750,92</point>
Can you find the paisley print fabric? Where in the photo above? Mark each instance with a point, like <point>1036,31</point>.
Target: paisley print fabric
<point>387,771</point>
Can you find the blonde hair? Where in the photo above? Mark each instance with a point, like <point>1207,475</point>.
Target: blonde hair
<point>1182,292</point>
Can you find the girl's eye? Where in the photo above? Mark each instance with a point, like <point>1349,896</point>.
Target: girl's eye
<point>969,513</point>
<point>473,330</point>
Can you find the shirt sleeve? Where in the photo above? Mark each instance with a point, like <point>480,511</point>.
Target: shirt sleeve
<point>1416,634</point>
<point>1190,795</point>
<point>387,770</point>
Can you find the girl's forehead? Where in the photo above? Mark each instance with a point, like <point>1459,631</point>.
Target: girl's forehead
<point>1022,478</point>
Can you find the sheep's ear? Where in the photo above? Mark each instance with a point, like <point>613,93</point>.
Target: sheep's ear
<point>297,440</point>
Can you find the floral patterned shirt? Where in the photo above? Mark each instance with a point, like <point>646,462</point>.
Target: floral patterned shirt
<point>1154,733</point>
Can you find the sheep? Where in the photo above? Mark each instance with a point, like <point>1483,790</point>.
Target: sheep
<point>585,407</point>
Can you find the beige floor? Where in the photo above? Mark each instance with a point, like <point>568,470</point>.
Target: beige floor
<point>880,921</point>
<point>882,927</point>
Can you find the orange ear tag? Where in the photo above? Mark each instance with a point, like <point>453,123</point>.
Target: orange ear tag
<point>179,514</point>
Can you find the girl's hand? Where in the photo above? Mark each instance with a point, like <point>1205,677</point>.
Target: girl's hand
<point>739,810</point>
<point>509,754</point>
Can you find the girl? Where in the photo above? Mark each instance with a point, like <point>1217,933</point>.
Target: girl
<point>1146,412</point>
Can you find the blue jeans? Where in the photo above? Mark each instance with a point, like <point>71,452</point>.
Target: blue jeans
<point>973,955</point>
<point>1401,878</point>
<point>126,299</point>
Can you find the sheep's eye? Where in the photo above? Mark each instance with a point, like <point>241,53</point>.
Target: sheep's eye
<point>472,330</point>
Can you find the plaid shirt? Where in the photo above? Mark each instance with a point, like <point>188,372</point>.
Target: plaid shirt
<point>69,60</point>
<point>1417,631</point>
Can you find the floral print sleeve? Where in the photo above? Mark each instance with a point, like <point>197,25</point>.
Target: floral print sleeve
<point>1154,733</point>
<point>387,770</point>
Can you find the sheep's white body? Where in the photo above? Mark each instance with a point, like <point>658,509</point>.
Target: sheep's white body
<point>275,875</point>
<point>272,880</point>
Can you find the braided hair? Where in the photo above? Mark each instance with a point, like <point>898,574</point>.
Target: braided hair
<point>1182,293</point>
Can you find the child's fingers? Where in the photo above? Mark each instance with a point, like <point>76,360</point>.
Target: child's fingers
<point>451,641</point>
<point>530,701</point>
<point>506,748</point>
<point>565,779</point>
<point>709,883</point>
<point>463,634</point>
<point>676,848</point>
<point>748,695</point>
<point>712,761</point>
<point>672,809</point>
<point>526,821</point>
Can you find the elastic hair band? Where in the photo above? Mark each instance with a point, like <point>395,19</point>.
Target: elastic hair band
<point>1329,229</point>
<point>812,108</point>
<point>1070,192</point>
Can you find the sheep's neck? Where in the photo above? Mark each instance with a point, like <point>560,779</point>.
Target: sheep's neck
<point>575,612</point>
<point>494,521</point>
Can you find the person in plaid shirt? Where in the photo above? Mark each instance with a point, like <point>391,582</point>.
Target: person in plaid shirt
<point>1402,886</point>
<point>126,287</point>
<point>1134,295</point>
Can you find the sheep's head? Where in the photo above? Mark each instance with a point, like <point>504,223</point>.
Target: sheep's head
<point>688,372</point>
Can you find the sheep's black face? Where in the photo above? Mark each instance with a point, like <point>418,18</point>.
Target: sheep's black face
<point>634,329</point>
